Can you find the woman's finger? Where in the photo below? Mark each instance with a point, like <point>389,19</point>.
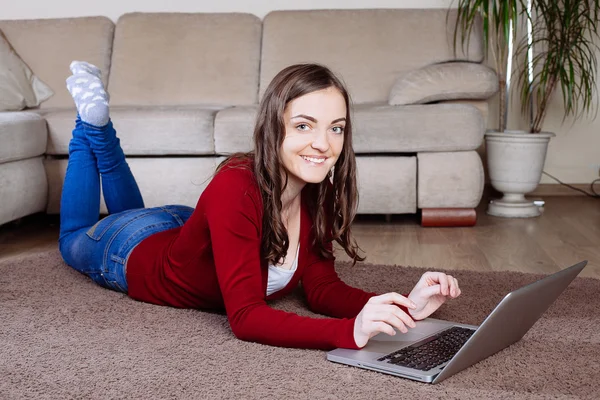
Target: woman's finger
<point>392,310</point>
<point>451,286</point>
<point>392,315</point>
<point>382,327</point>
<point>404,317</point>
<point>393,298</point>
<point>442,279</point>
<point>432,291</point>
<point>454,289</point>
<point>394,321</point>
<point>458,291</point>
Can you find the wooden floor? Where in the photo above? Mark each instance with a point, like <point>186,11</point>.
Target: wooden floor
<point>567,232</point>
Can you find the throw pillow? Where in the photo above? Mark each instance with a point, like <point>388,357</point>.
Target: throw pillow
<point>445,81</point>
<point>20,88</point>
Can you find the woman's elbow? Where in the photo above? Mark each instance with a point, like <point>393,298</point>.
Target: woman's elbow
<point>241,333</point>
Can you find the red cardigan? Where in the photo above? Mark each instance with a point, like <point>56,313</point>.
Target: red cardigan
<point>213,261</point>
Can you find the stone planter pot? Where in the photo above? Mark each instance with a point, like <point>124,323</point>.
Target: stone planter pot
<point>515,162</point>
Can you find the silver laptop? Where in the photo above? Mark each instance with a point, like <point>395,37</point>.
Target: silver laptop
<point>437,349</point>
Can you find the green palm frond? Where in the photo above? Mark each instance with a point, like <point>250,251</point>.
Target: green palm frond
<point>564,34</point>
<point>564,43</point>
<point>496,17</point>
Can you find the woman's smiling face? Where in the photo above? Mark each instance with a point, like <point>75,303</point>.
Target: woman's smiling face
<point>314,135</point>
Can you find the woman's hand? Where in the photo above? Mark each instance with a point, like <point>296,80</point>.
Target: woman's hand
<point>431,292</point>
<point>381,314</point>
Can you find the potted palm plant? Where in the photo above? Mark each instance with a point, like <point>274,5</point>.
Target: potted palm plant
<point>556,51</point>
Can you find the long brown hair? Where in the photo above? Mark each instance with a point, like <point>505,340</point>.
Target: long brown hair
<point>269,132</point>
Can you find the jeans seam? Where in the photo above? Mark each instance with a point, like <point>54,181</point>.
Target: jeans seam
<point>112,239</point>
<point>115,283</point>
<point>174,215</point>
<point>117,259</point>
<point>122,260</point>
<point>95,237</point>
<point>146,228</point>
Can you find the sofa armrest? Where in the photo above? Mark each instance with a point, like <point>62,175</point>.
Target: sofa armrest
<point>482,105</point>
<point>23,134</point>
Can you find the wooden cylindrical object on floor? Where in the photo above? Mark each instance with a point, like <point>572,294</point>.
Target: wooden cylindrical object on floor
<point>448,217</point>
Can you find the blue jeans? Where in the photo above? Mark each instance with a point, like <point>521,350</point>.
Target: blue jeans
<point>100,249</point>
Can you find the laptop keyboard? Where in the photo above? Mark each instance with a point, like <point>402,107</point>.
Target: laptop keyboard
<point>431,352</point>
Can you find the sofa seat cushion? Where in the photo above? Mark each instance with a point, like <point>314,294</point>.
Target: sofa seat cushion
<point>397,129</point>
<point>162,180</point>
<point>414,128</point>
<point>387,184</point>
<point>144,130</point>
<point>449,180</point>
<point>23,135</point>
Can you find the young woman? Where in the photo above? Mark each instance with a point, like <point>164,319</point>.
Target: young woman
<point>264,224</point>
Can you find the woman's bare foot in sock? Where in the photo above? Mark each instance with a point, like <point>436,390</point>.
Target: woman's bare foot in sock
<point>87,90</point>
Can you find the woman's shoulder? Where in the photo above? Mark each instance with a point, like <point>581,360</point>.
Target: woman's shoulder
<point>234,175</point>
<point>237,161</point>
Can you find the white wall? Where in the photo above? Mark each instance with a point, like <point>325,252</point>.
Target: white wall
<point>573,156</point>
<point>19,9</point>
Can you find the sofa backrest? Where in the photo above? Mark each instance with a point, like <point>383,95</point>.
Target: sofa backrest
<point>48,46</point>
<point>368,49</point>
<point>162,59</point>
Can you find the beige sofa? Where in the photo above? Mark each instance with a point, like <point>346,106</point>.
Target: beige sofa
<point>185,87</point>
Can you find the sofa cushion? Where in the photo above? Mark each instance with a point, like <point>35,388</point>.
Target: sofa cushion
<point>398,129</point>
<point>144,130</point>
<point>449,180</point>
<point>19,86</point>
<point>234,128</point>
<point>185,59</point>
<point>49,45</point>
<point>406,129</point>
<point>162,180</point>
<point>445,81</point>
<point>24,188</point>
<point>387,184</point>
<point>482,105</point>
<point>367,48</point>
<point>22,135</point>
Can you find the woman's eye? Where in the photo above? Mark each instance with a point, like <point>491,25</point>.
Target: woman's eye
<point>303,127</point>
<point>338,129</point>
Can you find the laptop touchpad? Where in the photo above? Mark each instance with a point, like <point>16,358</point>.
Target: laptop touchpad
<point>423,329</point>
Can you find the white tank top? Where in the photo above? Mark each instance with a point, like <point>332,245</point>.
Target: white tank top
<point>280,277</point>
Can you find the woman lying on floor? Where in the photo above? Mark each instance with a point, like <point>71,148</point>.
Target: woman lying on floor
<point>264,223</point>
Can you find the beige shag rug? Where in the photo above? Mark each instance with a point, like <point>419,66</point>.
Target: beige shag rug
<point>62,337</point>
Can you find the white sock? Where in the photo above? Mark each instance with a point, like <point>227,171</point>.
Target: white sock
<point>88,92</point>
